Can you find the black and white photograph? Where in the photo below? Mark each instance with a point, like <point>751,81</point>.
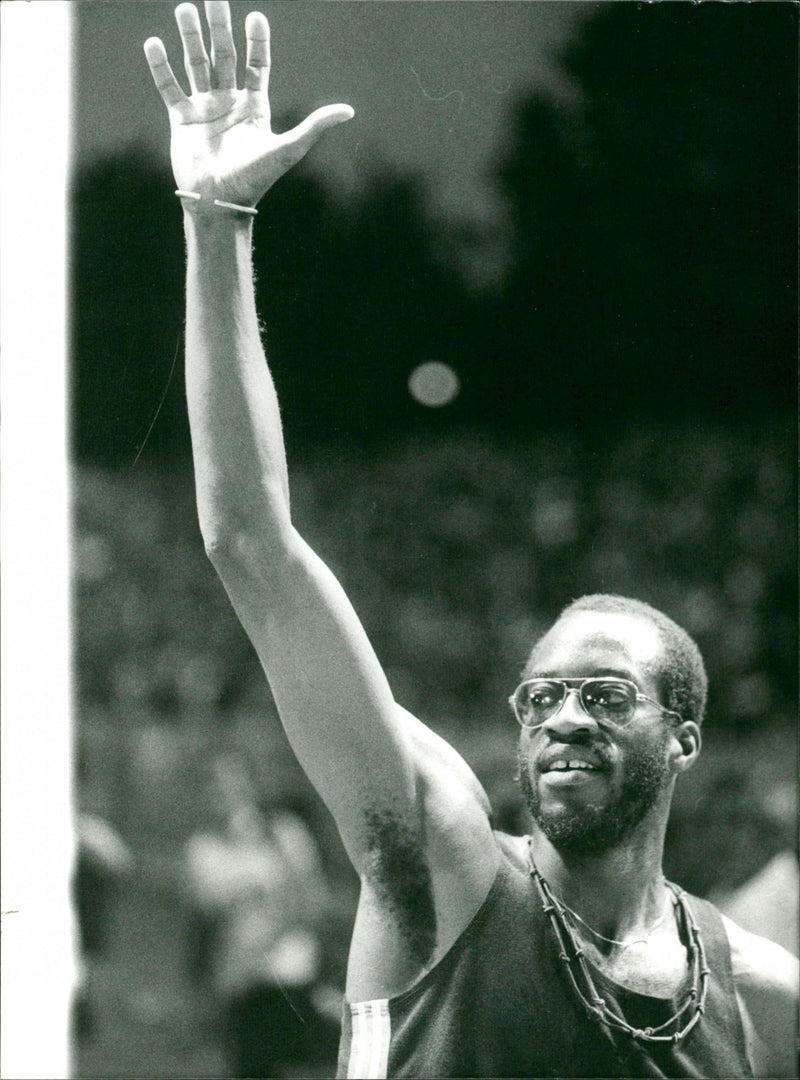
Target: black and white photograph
<point>407,403</point>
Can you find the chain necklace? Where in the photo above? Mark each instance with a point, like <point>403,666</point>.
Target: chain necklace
<point>613,941</point>
<point>593,1003</point>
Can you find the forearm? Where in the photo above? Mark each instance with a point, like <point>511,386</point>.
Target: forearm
<point>237,441</point>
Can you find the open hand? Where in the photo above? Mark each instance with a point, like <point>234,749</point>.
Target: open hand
<point>222,144</point>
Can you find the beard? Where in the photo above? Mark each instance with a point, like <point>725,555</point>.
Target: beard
<point>591,829</point>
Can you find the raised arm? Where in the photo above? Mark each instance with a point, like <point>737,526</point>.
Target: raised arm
<point>388,780</point>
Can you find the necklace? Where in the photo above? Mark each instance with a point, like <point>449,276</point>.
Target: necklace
<point>593,1003</point>
<point>613,941</point>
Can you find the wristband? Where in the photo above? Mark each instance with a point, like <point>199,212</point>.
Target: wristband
<point>217,202</point>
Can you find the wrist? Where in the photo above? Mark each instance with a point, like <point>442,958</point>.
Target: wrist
<point>207,210</point>
<point>209,223</point>
<point>208,201</point>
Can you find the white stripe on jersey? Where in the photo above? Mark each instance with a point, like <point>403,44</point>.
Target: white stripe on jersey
<point>369,1040</point>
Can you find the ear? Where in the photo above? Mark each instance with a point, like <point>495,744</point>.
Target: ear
<point>685,745</point>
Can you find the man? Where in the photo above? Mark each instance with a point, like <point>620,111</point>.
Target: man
<point>473,954</point>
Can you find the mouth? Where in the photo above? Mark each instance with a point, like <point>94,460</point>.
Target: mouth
<point>572,767</point>
<point>571,759</point>
<point>568,773</point>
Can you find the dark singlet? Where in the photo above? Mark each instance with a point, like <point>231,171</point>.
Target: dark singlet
<point>499,1004</point>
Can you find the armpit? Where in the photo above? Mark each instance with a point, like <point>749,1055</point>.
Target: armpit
<point>401,878</point>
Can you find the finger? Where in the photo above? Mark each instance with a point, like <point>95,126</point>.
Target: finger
<point>163,76</point>
<point>223,50</point>
<point>256,72</point>
<point>297,142</point>
<point>195,57</point>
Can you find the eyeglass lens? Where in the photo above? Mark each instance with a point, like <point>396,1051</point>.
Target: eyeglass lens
<point>606,700</point>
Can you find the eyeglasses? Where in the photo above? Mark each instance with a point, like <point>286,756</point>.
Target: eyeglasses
<point>610,702</point>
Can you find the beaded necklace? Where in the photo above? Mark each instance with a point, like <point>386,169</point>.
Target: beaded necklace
<point>593,1003</point>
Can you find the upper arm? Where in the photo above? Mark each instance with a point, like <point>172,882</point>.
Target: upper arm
<point>379,770</point>
<point>766,979</point>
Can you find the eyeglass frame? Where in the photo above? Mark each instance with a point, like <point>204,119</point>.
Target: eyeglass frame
<point>639,696</point>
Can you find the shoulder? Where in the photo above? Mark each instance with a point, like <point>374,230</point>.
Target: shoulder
<point>765,978</point>
<point>759,964</point>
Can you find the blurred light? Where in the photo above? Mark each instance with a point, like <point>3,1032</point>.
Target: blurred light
<point>554,517</point>
<point>434,384</point>
<point>91,558</point>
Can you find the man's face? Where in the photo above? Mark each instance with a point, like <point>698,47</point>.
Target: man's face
<point>617,777</point>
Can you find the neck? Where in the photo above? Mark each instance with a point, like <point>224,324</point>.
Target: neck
<point>619,893</point>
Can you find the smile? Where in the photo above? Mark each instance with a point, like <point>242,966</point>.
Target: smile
<point>563,765</point>
<point>565,774</point>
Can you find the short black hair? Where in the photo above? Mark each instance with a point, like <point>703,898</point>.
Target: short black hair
<point>680,668</point>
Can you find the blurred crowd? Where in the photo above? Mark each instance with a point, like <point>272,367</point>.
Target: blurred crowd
<point>456,553</point>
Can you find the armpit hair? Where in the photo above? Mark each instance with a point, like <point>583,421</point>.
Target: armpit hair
<point>402,879</point>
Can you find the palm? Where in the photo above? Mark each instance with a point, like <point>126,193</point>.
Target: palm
<point>222,142</point>
<point>226,142</point>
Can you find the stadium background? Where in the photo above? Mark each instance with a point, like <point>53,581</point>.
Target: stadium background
<point>625,422</point>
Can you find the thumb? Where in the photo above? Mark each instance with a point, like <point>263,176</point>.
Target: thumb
<point>299,140</point>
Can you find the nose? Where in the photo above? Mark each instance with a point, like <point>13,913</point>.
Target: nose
<point>571,718</point>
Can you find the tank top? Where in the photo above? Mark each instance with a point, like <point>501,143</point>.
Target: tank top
<point>499,1004</point>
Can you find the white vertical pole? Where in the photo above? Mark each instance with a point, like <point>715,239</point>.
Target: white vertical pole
<point>35,735</point>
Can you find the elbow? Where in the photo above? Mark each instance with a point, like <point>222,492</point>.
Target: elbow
<point>219,547</point>
<point>243,528</point>
<point>252,552</point>
<point>226,548</point>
